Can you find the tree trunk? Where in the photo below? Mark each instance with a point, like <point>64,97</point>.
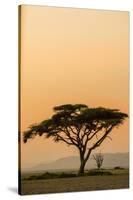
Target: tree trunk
<point>83,162</point>
<point>82,166</point>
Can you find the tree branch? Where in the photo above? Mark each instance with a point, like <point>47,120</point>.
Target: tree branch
<point>102,138</point>
<point>64,139</point>
<point>72,130</point>
<point>73,140</point>
<point>100,128</point>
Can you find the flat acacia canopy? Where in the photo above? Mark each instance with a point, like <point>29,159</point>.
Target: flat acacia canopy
<point>77,115</point>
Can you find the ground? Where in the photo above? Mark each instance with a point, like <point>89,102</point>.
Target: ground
<point>83,183</point>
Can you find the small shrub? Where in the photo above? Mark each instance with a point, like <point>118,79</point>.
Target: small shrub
<point>48,175</point>
<point>98,173</point>
<point>33,177</point>
<point>118,167</point>
<point>67,175</point>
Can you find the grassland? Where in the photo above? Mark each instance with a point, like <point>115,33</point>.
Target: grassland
<point>40,183</point>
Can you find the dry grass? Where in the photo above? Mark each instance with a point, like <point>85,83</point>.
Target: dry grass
<point>118,180</point>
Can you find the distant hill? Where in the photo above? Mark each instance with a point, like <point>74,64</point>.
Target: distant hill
<point>110,160</point>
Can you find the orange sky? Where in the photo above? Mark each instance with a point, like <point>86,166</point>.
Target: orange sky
<point>72,56</point>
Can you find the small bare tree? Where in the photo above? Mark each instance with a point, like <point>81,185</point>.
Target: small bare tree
<point>99,159</point>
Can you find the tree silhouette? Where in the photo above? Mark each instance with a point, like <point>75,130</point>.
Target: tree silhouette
<point>80,126</point>
<point>98,157</point>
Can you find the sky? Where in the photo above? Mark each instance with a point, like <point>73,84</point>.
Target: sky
<point>71,55</point>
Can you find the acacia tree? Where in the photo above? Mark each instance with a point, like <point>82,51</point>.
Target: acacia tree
<point>79,126</point>
<point>98,157</point>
